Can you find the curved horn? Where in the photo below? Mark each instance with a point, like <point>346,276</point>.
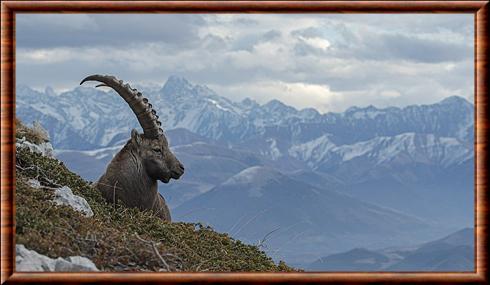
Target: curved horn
<point>141,107</point>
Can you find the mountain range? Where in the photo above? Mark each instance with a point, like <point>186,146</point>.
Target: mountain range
<point>313,183</point>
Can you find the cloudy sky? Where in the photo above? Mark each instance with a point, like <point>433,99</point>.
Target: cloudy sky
<point>329,62</point>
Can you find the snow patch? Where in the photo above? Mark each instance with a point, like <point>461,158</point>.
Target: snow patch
<point>313,151</point>
<point>100,156</point>
<point>97,153</point>
<point>273,152</point>
<point>215,103</point>
<point>77,119</point>
<point>349,152</point>
<point>255,178</point>
<point>48,110</point>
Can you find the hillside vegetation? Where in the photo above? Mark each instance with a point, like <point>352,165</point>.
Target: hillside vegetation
<point>116,238</point>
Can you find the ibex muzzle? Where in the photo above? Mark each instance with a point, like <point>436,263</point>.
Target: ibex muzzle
<point>131,177</point>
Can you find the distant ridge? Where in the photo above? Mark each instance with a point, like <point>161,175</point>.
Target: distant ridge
<point>453,253</point>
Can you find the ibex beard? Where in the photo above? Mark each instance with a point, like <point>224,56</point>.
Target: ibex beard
<point>131,177</point>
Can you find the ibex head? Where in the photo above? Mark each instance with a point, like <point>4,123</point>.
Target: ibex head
<point>159,162</point>
<point>151,146</point>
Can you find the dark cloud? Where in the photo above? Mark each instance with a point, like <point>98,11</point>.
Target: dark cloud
<point>270,35</point>
<point>59,30</point>
<point>409,23</point>
<point>304,49</point>
<point>241,21</point>
<point>247,42</point>
<point>412,48</point>
<point>392,37</point>
<point>213,42</point>
<point>309,32</point>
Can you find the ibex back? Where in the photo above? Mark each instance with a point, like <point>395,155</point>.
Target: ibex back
<point>131,177</point>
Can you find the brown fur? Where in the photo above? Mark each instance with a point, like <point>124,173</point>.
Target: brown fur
<point>131,177</point>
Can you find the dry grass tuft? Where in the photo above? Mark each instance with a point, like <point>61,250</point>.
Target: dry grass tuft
<point>35,134</point>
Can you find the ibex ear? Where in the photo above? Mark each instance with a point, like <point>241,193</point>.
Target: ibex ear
<point>135,137</point>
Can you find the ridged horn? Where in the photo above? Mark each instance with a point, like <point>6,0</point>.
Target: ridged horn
<point>141,107</point>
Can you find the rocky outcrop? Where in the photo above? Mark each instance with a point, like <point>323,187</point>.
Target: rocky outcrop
<point>64,196</point>
<point>45,148</point>
<point>30,260</point>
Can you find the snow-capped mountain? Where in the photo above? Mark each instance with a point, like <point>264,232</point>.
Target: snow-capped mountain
<point>83,118</point>
<point>101,119</point>
<point>414,147</point>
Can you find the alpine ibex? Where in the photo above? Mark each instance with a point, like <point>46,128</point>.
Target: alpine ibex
<point>131,177</point>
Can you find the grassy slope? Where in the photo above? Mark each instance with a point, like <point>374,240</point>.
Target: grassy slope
<point>116,237</point>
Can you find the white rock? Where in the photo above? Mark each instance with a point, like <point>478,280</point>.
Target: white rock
<point>64,196</point>
<point>74,263</point>
<point>45,149</point>
<point>34,183</point>
<point>30,260</point>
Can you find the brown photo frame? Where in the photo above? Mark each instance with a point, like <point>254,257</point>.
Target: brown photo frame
<point>480,9</point>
